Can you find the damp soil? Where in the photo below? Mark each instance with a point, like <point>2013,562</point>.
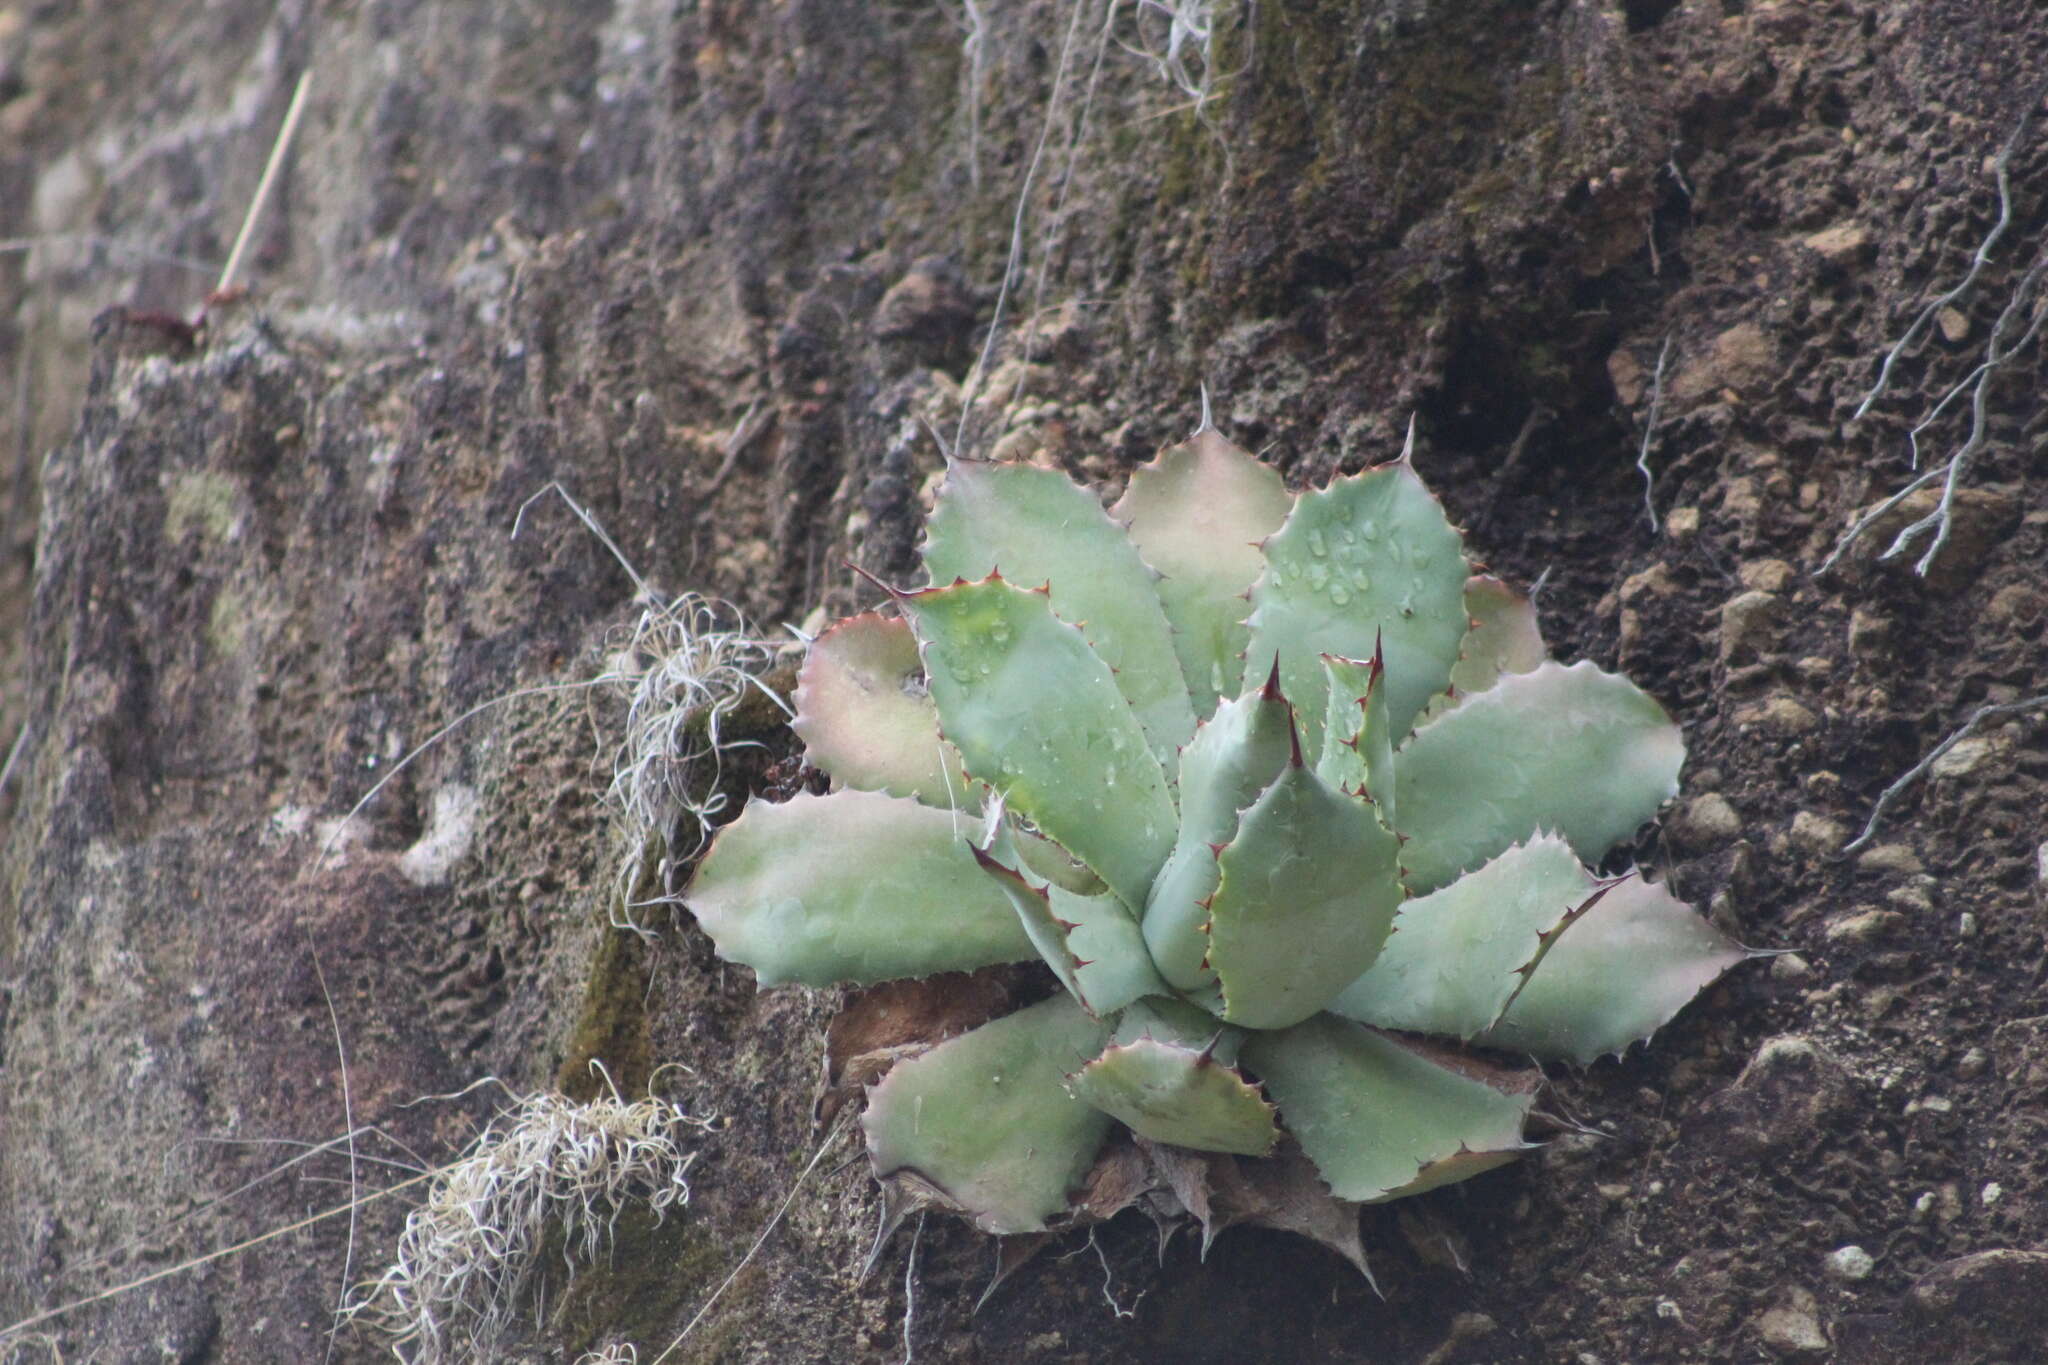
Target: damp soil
<point>724,271</point>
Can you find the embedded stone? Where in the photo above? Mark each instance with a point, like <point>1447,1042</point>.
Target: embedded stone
<point>1794,1330</point>
<point>1749,624</point>
<point>1965,757</point>
<point>1787,1094</point>
<point>1849,1264</point>
<point>1840,245</point>
<point>1992,1301</point>
<point>1864,926</point>
<point>1890,858</point>
<point>1816,833</point>
<point>1778,716</point>
<point>1767,575</point>
<point>1707,820</point>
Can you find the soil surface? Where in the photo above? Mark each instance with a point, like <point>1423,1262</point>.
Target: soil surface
<point>728,272</point>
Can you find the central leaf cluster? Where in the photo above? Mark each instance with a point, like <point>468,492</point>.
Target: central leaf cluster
<point>1255,890</point>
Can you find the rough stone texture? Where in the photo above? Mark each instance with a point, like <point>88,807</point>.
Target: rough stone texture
<point>1748,622</point>
<point>715,267</point>
<point>1783,1099</point>
<point>1709,821</point>
<point>1986,1301</point>
<point>1794,1329</point>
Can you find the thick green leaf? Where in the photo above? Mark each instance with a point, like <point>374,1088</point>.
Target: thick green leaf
<point>864,717</point>
<point>1038,526</point>
<point>1454,1168</point>
<point>1197,515</point>
<point>1376,1115</point>
<point>1358,741</point>
<point>1173,1020</point>
<point>1504,637</point>
<point>1037,716</point>
<point>1615,977</point>
<point>1585,753</point>
<point>1045,861</point>
<point>985,1121</point>
<point>1169,1092</point>
<point>1092,943</point>
<point>855,886</point>
<point>1309,891</point>
<point>1045,929</point>
<point>1233,757</point>
<point>1368,559</point>
<point>1458,955</point>
<point>1106,941</point>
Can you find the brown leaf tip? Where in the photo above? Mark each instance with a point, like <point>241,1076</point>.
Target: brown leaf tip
<point>1271,691</point>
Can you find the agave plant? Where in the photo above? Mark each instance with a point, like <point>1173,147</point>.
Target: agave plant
<point>1292,803</point>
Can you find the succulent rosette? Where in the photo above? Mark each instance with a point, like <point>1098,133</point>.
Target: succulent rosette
<point>1293,804</point>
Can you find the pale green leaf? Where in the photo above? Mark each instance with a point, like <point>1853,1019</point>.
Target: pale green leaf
<point>1037,716</point>
<point>1369,559</point>
<point>1377,1115</point>
<point>1233,757</point>
<point>1197,515</point>
<point>1585,753</point>
<point>1169,1092</point>
<point>1308,892</point>
<point>1458,955</point>
<point>1036,526</point>
<point>986,1122</point>
<point>855,886</point>
<point>864,716</point>
<point>1091,942</point>
<point>1615,977</point>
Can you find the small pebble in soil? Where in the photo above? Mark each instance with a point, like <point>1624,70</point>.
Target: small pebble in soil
<point>1817,834</point>
<point>1778,716</point>
<point>1864,926</point>
<point>1868,633</point>
<point>1749,623</point>
<point>1889,858</point>
<point>1708,820</point>
<point>1991,1194</point>
<point>1909,898</point>
<point>1964,757</point>
<point>1973,1063</point>
<point>1767,575</point>
<point>1790,967</point>
<point>1850,1264</point>
<point>1793,1329</point>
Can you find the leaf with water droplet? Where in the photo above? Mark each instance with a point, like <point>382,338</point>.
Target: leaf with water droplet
<point>1299,618</point>
<point>1043,721</point>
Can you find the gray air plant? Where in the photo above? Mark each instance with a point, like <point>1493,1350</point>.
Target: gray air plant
<point>1293,804</point>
